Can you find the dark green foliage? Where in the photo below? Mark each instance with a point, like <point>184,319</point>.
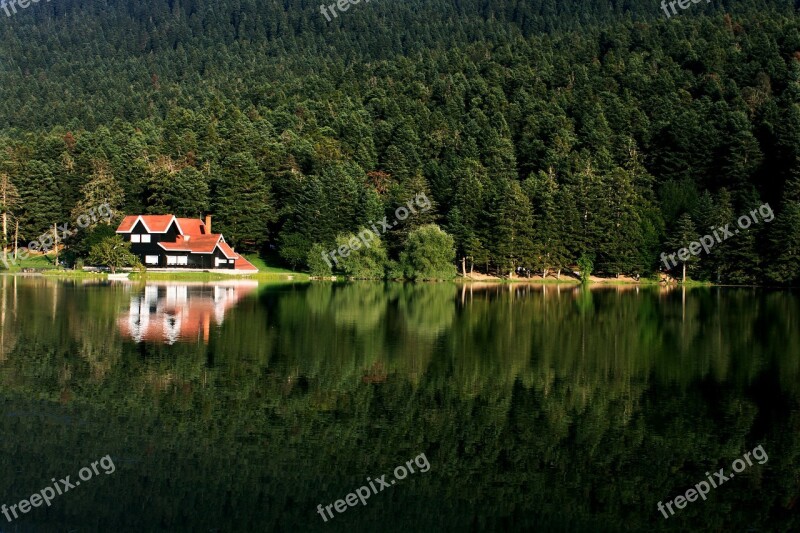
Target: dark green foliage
<point>786,237</point>
<point>366,256</point>
<point>585,267</point>
<point>429,254</point>
<point>318,266</point>
<point>183,193</point>
<point>536,143</point>
<point>681,236</point>
<point>243,204</point>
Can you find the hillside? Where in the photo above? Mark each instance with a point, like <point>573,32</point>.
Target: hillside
<point>542,131</point>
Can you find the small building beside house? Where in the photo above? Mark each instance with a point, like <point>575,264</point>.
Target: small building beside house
<point>165,241</point>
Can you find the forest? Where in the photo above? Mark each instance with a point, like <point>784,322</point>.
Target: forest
<point>545,133</point>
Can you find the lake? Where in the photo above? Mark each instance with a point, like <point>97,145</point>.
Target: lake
<point>244,407</point>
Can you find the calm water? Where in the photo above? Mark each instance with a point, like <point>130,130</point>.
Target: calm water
<point>238,407</point>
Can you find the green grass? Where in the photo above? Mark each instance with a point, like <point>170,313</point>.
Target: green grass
<point>213,276</point>
<point>36,261</point>
<point>265,273</point>
<point>74,274</point>
<point>263,267</point>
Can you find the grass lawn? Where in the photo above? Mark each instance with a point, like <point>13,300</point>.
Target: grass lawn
<point>36,261</point>
<point>263,267</point>
<point>74,274</point>
<point>265,273</point>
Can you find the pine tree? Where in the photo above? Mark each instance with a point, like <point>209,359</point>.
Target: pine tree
<point>244,204</point>
<point>102,188</point>
<point>512,228</point>
<point>549,246</point>
<point>683,234</point>
<point>785,268</point>
<point>184,192</point>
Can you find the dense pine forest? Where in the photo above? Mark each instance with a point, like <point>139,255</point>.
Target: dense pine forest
<point>544,132</point>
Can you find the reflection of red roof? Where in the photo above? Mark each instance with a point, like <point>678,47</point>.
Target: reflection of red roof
<point>185,320</point>
<point>153,223</point>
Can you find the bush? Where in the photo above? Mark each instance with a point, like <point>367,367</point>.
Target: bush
<point>367,258</point>
<point>585,266</point>
<point>114,253</point>
<point>317,265</point>
<point>429,254</point>
<point>394,271</point>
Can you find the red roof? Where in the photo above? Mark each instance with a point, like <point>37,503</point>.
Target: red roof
<point>198,244</point>
<point>227,250</point>
<point>192,226</point>
<point>153,223</point>
<point>243,264</point>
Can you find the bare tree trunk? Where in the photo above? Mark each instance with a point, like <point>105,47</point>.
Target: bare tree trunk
<point>558,274</point>
<point>16,240</point>
<point>464,267</point>
<point>55,235</point>
<point>5,236</point>
<point>684,273</point>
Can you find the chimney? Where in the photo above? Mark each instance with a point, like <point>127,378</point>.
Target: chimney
<point>208,224</point>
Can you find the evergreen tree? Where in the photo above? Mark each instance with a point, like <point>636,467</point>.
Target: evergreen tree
<point>244,204</point>
<point>184,193</point>
<point>682,235</point>
<point>512,228</point>
<point>785,268</point>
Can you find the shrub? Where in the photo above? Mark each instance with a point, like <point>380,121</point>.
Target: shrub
<point>429,254</point>
<point>317,265</point>
<point>367,258</point>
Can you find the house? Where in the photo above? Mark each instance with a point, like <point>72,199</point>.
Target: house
<point>165,241</point>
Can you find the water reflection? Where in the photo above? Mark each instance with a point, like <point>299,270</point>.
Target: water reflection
<point>546,408</point>
<point>172,312</point>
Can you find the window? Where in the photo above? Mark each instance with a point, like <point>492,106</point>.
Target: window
<point>146,238</point>
<point>151,259</point>
<point>183,259</point>
<point>136,238</point>
<point>230,261</point>
<point>172,259</point>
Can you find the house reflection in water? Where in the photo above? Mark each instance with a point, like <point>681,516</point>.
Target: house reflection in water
<point>172,312</point>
